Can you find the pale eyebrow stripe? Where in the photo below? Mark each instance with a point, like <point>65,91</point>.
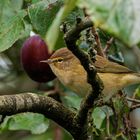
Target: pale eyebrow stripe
<point>56,59</point>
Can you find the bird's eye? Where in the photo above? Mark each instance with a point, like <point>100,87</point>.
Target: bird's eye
<point>60,60</point>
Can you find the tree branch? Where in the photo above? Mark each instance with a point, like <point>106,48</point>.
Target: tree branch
<point>70,38</point>
<point>31,102</point>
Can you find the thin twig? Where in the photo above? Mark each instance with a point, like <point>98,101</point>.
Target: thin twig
<point>107,124</point>
<point>134,107</point>
<point>97,39</point>
<point>57,132</point>
<point>108,44</point>
<point>133,100</point>
<point>136,52</point>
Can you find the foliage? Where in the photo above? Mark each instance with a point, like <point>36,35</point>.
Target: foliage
<point>117,18</point>
<point>36,123</point>
<point>120,18</point>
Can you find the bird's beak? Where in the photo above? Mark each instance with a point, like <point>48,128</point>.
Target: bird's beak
<point>49,61</point>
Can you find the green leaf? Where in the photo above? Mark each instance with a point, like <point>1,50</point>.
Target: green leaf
<point>118,17</point>
<point>36,123</point>
<point>137,92</point>
<point>71,18</point>
<point>72,101</point>
<point>98,117</point>
<point>60,41</point>
<point>12,30</point>
<point>16,4</point>
<point>9,8</point>
<point>42,14</point>
<point>53,32</point>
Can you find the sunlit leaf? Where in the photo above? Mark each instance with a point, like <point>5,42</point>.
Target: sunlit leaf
<point>42,14</point>
<point>53,32</point>
<point>13,29</point>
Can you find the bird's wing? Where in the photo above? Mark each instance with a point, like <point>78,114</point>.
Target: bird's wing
<point>104,65</point>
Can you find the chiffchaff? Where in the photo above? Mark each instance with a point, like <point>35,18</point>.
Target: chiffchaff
<point>71,73</point>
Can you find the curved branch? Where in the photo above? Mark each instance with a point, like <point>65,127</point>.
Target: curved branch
<point>31,102</point>
<point>93,79</point>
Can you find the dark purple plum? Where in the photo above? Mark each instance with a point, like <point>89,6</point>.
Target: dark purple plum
<point>33,51</point>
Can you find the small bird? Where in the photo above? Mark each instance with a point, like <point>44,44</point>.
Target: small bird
<point>67,67</point>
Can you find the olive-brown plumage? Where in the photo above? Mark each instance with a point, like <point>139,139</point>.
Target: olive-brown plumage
<point>71,73</point>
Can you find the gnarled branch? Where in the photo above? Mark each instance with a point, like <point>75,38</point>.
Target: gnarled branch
<point>70,38</point>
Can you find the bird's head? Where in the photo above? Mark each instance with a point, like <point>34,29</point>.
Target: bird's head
<point>62,60</point>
